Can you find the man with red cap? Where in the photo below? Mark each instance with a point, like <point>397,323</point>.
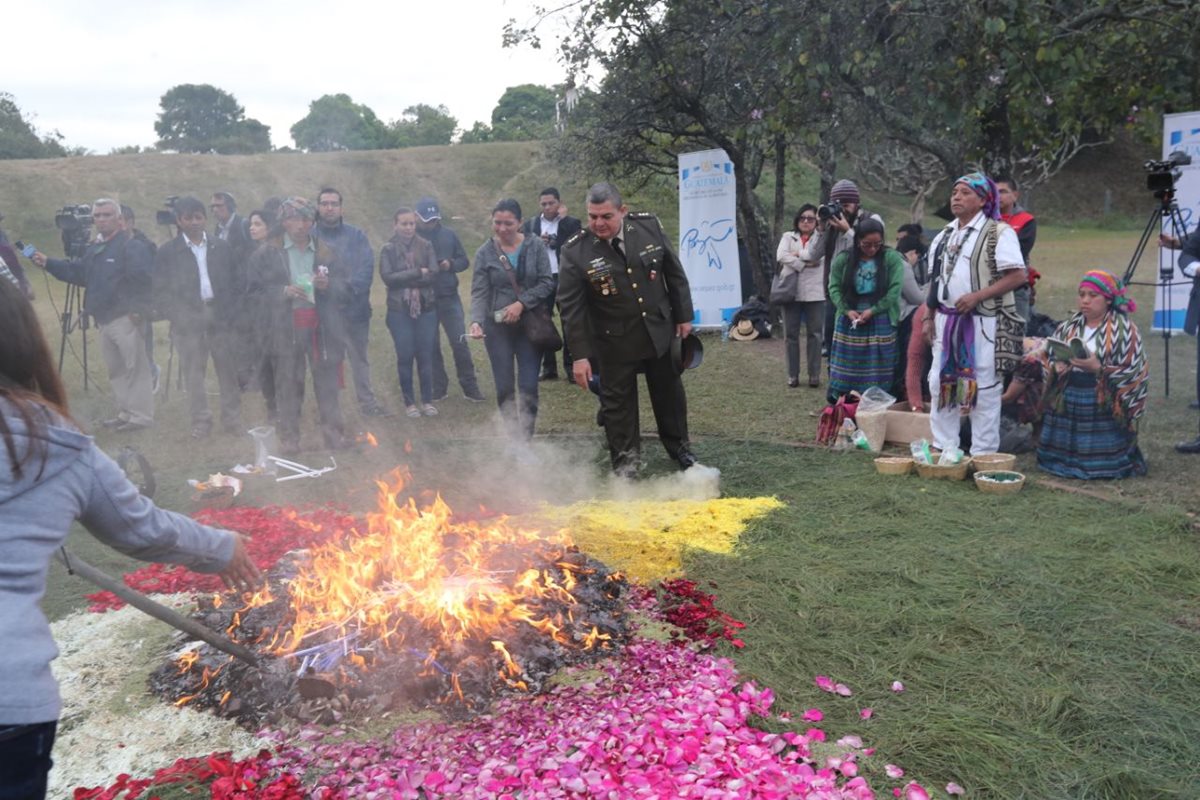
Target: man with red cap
<point>972,324</point>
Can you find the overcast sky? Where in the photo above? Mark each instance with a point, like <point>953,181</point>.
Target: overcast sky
<point>95,71</point>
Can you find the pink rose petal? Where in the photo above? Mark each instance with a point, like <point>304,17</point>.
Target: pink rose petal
<point>893,771</point>
<point>897,686</point>
<point>812,715</point>
<point>824,683</point>
<point>914,791</point>
<point>954,788</point>
<point>866,713</point>
<point>842,689</point>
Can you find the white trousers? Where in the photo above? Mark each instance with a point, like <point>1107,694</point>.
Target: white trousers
<point>985,417</point>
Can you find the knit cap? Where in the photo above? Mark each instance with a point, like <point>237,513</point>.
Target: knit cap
<point>844,191</point>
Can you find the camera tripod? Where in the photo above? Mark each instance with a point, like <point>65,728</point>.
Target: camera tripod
<point>74,317</point>
<point>1167,209</point>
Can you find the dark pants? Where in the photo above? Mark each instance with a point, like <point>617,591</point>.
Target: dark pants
<point>506,343</point>
<point>548,358</point>
<point>356,353</point>
<point>619,404</point>
<point>813,316</point>
<point>450,317</point>
<point>25,760</point>
<point>289,371</point>
<point>415,338</point>
<point>830,318</point>
<point>195,345</point>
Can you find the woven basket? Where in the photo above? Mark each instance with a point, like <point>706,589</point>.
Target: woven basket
<point>953,472</point>
<point>1003,462</point>
<point>999,487</point>
<point>893,465</point>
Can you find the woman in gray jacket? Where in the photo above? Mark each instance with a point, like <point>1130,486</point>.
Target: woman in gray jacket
<point>51,475</point>
<point>511,276</point>
<point>802,252</point>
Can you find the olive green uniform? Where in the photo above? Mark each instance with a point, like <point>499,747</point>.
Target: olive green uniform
<point>620,311</point>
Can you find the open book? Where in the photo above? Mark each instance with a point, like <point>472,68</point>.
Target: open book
<point>1065,351</point>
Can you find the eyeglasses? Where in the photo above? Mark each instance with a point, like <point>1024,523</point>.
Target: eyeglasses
<point>870,245</point>
<point>808,219</point>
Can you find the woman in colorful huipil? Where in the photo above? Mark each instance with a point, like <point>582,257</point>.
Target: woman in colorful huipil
<point>1092,405</point>
<point>864,287</point>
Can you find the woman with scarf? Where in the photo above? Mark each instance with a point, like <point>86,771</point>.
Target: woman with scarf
<point>407,266</point>
<point>864,287</point>
<point>511,276</point>
<point>1092,404</point>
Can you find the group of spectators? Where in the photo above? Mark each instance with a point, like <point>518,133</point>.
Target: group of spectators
<point>945,326</point>
<point>285,291</point>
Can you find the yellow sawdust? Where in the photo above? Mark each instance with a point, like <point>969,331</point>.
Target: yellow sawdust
<point>646,539</point>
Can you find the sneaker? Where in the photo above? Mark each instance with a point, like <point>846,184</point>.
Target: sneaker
<point>475,396</point>
<point>429,409</point>
<point>814,382</point>
<point>375,411</point>
<point>1191,447</point>
<point>412,411</point>
<point>440,396</point>
<point>793,383</point>
<point>154,368</point>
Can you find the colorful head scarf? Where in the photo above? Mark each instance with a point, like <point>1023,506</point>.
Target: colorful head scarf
<point>985,187</point>
<point>1111,287</point>
<point>297,207</point>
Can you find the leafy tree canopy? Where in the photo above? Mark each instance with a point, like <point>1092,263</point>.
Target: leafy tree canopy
<point>18,137</point>
<point>423,125</point>
<point>336,122</point>
<point>200,118</point>
<point>523,112</point>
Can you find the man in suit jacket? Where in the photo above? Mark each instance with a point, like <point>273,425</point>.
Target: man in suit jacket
<point>555,228</point>
<point>624,296</point>
<point>198,287</point>
<point>231,227</point>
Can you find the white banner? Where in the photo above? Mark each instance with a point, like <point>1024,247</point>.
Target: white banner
<point>708,235</point>
<point>1180,132</point>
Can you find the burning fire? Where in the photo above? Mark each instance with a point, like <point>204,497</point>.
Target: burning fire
<point>465,603</point>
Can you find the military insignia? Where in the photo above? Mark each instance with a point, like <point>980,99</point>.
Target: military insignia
<point>653,274</point>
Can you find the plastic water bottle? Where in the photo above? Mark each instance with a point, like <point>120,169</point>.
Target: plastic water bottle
<point>725,330</point>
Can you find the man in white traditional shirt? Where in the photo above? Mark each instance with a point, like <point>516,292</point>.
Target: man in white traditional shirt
<point>976,265</point>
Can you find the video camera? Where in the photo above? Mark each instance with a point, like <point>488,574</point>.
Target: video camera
<point>830,210</point>
<point>167,216</point>
<point>1161,175</point>
<point>75,223</point>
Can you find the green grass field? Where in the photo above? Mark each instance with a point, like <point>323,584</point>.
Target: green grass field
<point>1050,641</point>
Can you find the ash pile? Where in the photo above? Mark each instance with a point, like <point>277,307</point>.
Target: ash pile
<point>518,614</point>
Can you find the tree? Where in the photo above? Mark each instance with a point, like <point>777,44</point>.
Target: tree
<point>480,132</point>
<point>524,112</point>
<point>18,137</point>
<point>336,122</point>
<point>200,118</point>
<point>423,125</point>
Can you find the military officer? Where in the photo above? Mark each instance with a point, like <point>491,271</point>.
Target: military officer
<point>623,296</point>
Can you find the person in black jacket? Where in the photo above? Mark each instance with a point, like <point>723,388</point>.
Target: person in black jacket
<point>116,271</point>
<point>199,289</point>
<point>231,227</point>
<point>451,260</point>
<point>555,228</point>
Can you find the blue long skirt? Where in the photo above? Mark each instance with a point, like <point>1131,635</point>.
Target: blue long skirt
<point>1084,440</point>
<point>862,357</point>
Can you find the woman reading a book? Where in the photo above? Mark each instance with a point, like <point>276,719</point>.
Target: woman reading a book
<point>1096,386</point>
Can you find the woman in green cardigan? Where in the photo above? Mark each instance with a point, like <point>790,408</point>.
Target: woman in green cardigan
<point>864,287</point>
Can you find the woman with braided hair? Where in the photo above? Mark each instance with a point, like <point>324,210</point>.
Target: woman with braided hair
<point>1092,405</point>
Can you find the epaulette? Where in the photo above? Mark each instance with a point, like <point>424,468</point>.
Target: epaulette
<point>642,215</point>
<point>575,237</point>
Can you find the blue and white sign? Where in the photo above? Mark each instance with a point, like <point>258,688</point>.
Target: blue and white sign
<point>1180,132</point>
<point>708,235</point>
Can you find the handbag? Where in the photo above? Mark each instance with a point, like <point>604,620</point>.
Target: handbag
<point>785,287</point>
<point>535,322</point>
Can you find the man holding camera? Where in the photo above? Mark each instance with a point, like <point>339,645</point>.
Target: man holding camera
<point>836,220</point>
<point>554,227</point>
<point>199,289</point>
<point>116,272</point>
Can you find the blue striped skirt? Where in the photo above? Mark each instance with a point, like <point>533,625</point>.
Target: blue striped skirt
<point>1083,440</point>
<point>862,357</point>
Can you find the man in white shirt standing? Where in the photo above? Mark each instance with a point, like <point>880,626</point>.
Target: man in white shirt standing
<point>976,265</point>
<point>199,289</point>
<point>555,228</point>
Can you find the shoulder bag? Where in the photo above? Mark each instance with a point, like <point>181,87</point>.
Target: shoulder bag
<point>535,322</point>
<point>785,287</point>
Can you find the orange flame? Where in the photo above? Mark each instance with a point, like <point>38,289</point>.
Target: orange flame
<point>370,439</point>
<point>420,565</point>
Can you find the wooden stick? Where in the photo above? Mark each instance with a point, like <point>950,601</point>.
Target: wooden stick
<point>77,566</point>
